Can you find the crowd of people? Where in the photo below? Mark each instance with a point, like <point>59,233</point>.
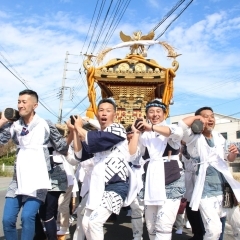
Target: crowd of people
<point>157,169</point>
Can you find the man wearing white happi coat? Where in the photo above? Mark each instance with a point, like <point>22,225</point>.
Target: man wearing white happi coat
<point>112,183</point>
<point>211,170</point>
<point>83,175</point>
<point>164,181</point>
<point>30,182</point>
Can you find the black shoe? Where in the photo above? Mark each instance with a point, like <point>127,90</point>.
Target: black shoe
<point>40,237</point>
<point>11,114</point>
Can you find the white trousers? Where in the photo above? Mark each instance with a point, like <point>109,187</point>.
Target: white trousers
<point>63,209</point>
<point>93,221</point>
<point>79,233</point>
<point>233,218</point>
<point>137,207</point>
<point>160,219</point>
<point>179,223</point>
<point>211,211</point>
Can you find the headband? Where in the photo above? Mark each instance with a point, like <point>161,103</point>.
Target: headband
<point>160,105</point>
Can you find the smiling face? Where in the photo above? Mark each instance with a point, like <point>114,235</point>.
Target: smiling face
<point>210,120</point>
<point>105,114</point>
<point>26,105</point>
<point>155,115</point>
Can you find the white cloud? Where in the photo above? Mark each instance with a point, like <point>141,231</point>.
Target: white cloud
<point>214,19</point>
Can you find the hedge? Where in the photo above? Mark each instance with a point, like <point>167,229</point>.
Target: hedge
<point>8,161</point>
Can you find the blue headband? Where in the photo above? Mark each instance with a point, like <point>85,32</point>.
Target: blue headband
<point>160,105</point>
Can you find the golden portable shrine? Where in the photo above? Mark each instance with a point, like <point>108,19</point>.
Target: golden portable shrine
<point>133,80</point>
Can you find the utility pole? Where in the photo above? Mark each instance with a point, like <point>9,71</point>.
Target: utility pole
<point>62,89</point>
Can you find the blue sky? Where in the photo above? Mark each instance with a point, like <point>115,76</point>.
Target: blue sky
<point>35,36</point>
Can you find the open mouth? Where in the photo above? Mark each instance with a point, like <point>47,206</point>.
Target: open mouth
<point>210,126</point>
<point>103,120</point>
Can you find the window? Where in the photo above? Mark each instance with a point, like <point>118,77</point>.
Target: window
<point>238,134</point>
<point>224,134</point>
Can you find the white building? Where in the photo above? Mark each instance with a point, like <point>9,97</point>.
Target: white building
<point>228,126</point>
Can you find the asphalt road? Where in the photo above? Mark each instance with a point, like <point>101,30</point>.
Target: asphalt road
<point>119,230</point>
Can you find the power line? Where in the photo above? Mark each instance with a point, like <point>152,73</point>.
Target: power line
<point>96,23</point>
<point>101,27</point>
<point>110,32</point>
<point>76,105</point>
<point>112,17</point>
<point>27,87</point>
<point>112,29</point>
<point>90,25</point>
<point>178,15</point>
<point>226,102</point>
<point>168,14</point>
<point>207,88</point>
<point>15,71</point>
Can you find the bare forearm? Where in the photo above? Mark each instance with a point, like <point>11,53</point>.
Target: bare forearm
<point>82,133</point>
<point>70,137</point>
<point>163,130</point>
<point>77,145</point>
<point>231,157</point>
<point>133,143</point>
<point>189,120</point>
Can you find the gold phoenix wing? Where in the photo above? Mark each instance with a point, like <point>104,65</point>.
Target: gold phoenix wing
<point>149,36</point>
<point>125,38</point>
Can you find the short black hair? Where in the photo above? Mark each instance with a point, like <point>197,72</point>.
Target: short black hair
<point>128,129</point>
<point>29,92</point>
<point>108,100</point>
<point>198,112</point>
<point>157,102</point>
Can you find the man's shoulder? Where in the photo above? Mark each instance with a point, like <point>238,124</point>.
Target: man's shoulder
<point>217,135</point>
<point>45,123</point>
